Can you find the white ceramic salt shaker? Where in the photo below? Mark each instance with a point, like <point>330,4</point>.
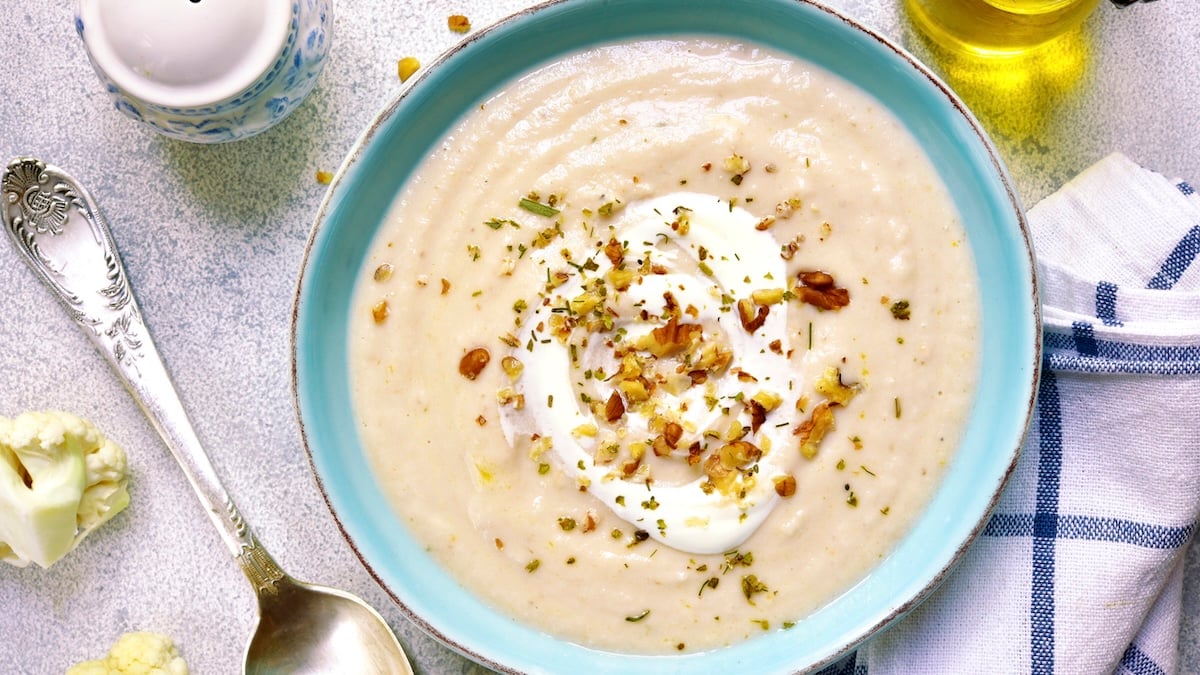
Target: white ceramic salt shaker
<point>206,71</point>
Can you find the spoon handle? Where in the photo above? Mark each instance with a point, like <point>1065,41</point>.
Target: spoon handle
<point>60,232</point>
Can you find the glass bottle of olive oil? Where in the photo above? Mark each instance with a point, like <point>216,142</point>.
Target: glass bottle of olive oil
<point>997,25</point>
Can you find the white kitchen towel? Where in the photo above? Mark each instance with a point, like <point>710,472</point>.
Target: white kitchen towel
<point>1079,569</point>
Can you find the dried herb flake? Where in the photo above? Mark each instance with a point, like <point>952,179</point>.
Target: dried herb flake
<point>537,208</point>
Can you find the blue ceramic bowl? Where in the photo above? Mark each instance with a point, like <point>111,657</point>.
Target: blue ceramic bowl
<point>402,134</point>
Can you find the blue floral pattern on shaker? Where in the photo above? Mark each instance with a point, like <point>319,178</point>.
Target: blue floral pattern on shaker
<point>271,98</point>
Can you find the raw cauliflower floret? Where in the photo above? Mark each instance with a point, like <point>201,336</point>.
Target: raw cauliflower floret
<point>60,479</point>
<point>137,653</point>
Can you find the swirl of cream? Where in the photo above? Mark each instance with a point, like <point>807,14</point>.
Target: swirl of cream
<point>660,380</point>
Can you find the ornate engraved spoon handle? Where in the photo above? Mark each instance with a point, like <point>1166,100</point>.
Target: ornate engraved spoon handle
<point>61,234</point>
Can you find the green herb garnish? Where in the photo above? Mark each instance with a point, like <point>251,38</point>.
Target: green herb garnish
<point>537,207</point>
<point>638,617</point>
<point>497,223</point>
<point>751,585</point>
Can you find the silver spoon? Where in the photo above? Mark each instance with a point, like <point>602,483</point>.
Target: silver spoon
<point>302,628</point>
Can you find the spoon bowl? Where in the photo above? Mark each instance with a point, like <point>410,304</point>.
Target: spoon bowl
<point>305,628</point>
<point>60,232</point>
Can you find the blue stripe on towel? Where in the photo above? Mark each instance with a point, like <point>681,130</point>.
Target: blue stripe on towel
<point>1085,338</point>
<point>1186,189</point>
<point>1090,528</point>
<point>1045,525</point>
<point>1178,261</point>
<point>1106,303</point>
<point>1066,353</point>
<point>1135,661</point>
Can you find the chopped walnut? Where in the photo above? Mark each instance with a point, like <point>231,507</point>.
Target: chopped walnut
<point>743,376</point>
<point>719,475</point>
<point>767,296</point>
<point>785,486</point>
<point>786,208</point>
<point>768,400</point>
<point>614,252</point>
<point>758,415</point>
<point>670,305</point>
<point>722,466</point>
<point>671,338</point>
<point>406,66</point>
<point>379,311</point>
<point>586,301</point>
<point>752,316</point>
<point>736,164</point>
<point>606,453</point>
<point>473,362</point>
<point>589,523</point>
<point>630,467</point>
<point>539,446</point>
<point>735,432</point>
<point>512,367</point>
<point>830,385</point>
<point>672,432</point>
<point>557,279</point>
<point>802,403</point>
<point>509,396</point>
<point>739,453</point>
<point>636,390</point>
<point>812,430</point>
<point>820,290</point>
<point>708,356</point>
<point>614,408</point>
<point>683,220</point>
<point>789,250</point>
<point>660,446</point>
<point>620,279</point>
<point>816,279</point>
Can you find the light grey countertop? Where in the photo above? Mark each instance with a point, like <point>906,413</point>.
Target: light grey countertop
<point>213,238</point>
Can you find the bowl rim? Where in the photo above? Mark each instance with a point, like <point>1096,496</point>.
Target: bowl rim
<point>1023,250</point>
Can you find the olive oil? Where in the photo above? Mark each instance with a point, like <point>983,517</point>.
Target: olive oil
<point>997,26</point>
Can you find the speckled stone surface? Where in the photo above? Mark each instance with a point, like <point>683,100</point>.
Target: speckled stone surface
<point>213,238</point>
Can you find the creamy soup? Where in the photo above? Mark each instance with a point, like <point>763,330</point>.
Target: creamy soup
<point>667,344</point>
